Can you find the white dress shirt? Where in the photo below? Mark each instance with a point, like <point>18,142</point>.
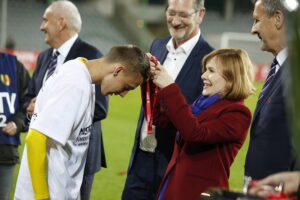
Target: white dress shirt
<point>63,52</point>
<point>281,57</point>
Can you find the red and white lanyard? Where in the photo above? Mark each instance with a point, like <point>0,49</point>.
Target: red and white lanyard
<point>149,110</point>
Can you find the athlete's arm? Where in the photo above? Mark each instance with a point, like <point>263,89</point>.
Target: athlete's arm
<point>37,161</point>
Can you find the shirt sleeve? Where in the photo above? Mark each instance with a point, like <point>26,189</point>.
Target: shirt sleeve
<point>37,159</point>
<point>230,124</point>
<point>62,107</point>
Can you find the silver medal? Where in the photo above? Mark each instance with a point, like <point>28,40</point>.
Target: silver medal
<point>149,143</point>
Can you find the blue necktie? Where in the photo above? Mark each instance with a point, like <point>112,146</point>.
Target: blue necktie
<point>269,78</point>
<point>52,64</point>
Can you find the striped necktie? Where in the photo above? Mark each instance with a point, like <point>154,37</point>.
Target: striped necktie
<point>52,64</point>
<point>269,78</point>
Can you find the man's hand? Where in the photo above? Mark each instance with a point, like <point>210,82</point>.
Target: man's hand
<point>30,108</point>
<point>10,128</point>
<point>290,181</point>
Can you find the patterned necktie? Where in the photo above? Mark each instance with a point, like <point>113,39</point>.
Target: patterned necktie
<point>269,78</point>
<point>52,64</point>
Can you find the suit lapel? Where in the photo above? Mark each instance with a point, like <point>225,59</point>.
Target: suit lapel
<point>45,64</point>
<point>73,51</point>
<point>161,54</point>
<point>71,55</point>
<point>272,87</point>
<point>189,63</point>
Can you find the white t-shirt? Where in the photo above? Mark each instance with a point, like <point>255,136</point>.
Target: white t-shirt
<point>63,112</point>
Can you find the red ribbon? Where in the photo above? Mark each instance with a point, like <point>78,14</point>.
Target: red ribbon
<point>149,110</point>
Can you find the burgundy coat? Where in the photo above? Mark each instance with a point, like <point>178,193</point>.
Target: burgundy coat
<point>208,144</point>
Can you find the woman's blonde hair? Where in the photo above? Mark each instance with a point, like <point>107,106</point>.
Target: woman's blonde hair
<point>236,68</point>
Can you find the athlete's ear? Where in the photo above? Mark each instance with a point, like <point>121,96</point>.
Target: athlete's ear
<point>118,69</point>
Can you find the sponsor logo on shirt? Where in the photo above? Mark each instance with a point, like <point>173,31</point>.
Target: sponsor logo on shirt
<point>83,137</point>
<point>5,79</point>
<point>34,116</point>
<point>7,105</point>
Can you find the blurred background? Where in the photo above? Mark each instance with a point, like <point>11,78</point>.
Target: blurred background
<point>113,22</point>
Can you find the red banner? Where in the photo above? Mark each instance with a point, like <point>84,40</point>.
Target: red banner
<point>261,71</point>
<point>27,57</point>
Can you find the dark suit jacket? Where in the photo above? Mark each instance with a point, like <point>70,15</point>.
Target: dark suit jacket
<point>79,49</point>
<point>208,144</point>
<point>270,149</point>
<point>191,85</point>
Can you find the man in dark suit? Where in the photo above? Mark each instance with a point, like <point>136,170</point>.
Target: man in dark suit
<point>61,25</point>
<point>270,149</point>
<point>182,54</point>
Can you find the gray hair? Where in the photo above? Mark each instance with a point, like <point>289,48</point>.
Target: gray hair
<point>198,4</point>
<point>70,13</point>
<point>271,6</point>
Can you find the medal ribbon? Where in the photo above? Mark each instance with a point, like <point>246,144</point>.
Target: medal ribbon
<point>149,112</point>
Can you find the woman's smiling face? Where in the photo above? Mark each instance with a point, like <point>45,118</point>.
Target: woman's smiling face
<point>213,81</point>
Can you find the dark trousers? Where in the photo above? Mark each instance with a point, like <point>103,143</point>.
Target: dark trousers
<point>86,186</point>
<point>145,176</point>
<point>6,180</point>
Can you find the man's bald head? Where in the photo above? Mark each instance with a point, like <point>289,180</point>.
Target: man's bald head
<point>69,12</point>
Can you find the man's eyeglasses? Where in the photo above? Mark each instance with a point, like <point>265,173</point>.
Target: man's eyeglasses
<point>182,15</point>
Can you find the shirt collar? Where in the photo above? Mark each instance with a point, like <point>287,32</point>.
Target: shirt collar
<point>282,56</point>
<point>65,47</point>
<point>186,47</point>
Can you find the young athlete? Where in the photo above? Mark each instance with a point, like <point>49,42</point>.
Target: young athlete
<point>56,146</point>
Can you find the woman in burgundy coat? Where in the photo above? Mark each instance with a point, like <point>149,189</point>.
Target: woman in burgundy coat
<point>212,130</point>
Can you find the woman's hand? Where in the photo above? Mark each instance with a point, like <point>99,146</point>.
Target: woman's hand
<point>160,76</point>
